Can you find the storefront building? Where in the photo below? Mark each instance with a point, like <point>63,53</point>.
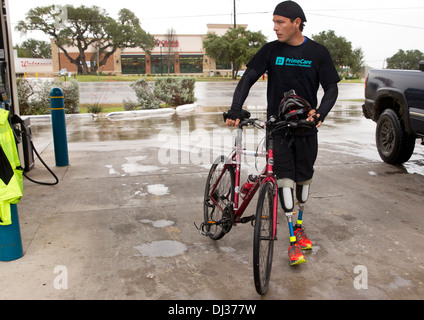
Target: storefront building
<point>179,54</point>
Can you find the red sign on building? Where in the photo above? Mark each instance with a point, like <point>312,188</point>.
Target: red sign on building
<point>167,43</point>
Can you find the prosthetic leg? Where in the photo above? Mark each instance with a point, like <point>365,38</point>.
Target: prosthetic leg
<point>285,192</point>
<point>298,239</point>
<point>302,195</point>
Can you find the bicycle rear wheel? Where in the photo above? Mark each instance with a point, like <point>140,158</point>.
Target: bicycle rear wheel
<point>263,241</point>
<point>218,198</point>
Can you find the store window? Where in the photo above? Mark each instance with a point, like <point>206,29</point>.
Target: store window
<point>191,63</point>
<point>162,64</point>
<point>133,64</point>
<point>223,65</point>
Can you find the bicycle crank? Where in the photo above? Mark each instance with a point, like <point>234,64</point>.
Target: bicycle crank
<point>226,222</point>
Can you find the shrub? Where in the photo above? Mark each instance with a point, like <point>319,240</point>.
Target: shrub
<point>95,108</point>
<point>175,91</point>
<point>25,91</point>
<point>34,96</point>
<point>130,105</point>
<point>145,95</point>
<point>353,77</point>
<point>71,94</point>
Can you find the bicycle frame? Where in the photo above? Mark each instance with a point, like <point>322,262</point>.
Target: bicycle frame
<point>267,174</point>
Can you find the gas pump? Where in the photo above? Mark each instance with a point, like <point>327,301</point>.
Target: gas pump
<point>3,94</point>
<point>4,97</point>
<point>7,67</point>
<point>8,90</point>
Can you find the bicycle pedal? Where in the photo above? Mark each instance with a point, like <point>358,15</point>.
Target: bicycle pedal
<point>201,229</point>
<point>247,219</point>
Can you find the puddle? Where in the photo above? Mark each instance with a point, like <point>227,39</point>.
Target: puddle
<point>158,189</point>
<point>158,223</point>
<point>155,189</point>
<point>132,167</point>
<point>162,249</point>
<point>415,165</point>
<point>111,169</point>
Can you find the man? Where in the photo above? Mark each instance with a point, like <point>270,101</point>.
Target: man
<point>293,62</point>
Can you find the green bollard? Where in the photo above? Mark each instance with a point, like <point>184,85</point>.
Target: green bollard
<point>10,238</point>
<point>60,142</point>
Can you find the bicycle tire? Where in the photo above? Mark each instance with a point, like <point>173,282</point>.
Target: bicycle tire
<point>223,194</point>
<point>263,241</point>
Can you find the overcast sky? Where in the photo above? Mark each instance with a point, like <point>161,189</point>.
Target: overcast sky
<point>379,27</point>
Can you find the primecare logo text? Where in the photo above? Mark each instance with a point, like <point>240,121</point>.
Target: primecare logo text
<point>282,61</point>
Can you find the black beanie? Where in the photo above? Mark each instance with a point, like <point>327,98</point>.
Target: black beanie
<point>289,9</point>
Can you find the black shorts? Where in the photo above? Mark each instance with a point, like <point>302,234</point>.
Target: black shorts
<point>294,156</point>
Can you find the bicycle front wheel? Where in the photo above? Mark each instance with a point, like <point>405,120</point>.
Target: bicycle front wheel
<point>263,240</point>
<point>219,195</point>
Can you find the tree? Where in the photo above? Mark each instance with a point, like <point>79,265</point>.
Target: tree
<point>236,46</point>
<point>405,60</point>
<point>170,40</point>
<point>32,48</point>
<point>358,61</point>
<point>85,28</point>
<point>340,49</point>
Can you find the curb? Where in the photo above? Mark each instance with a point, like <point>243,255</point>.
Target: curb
<point>119,115</point>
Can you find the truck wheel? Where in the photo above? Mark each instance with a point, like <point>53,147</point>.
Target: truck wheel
<point>394,145</point>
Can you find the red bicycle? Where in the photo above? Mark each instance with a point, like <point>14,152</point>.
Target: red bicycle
<point>224,204</point>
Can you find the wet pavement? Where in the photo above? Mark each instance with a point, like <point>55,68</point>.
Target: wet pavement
<point>207,93</point>
<point>121,220</point>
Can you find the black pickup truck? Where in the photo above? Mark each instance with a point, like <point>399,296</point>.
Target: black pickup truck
<point>395,100</point>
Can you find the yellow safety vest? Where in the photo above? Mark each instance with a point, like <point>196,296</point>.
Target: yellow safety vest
<point>11,186</point>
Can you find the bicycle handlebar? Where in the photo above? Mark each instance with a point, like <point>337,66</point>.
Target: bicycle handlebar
<point>272,122</point>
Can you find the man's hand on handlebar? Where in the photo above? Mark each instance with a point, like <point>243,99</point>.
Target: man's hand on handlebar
<point>233,117</point>
<point>314,116</point>
<point>232,123</point>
